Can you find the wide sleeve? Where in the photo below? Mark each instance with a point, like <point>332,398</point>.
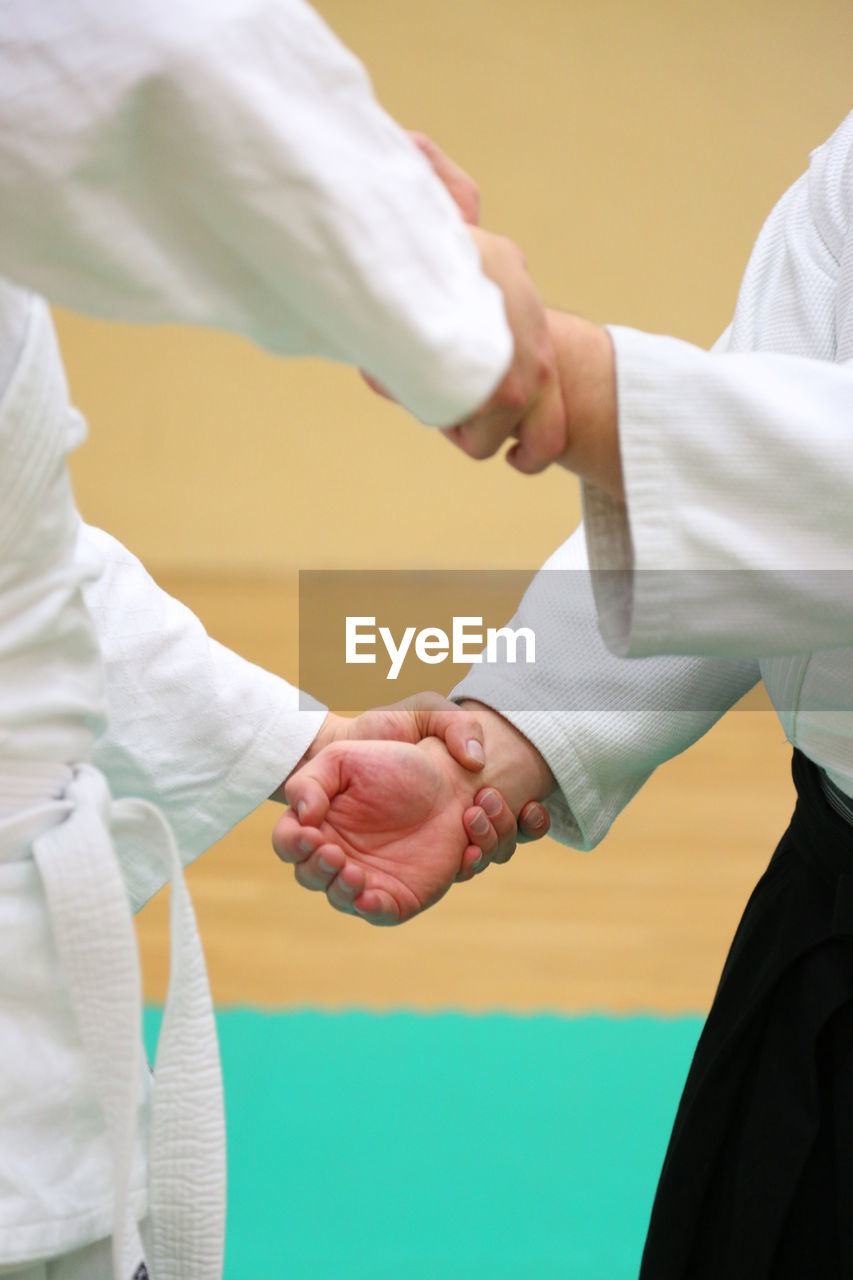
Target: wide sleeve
<point>194,728</point>
<point>736,535</point>
<point>602,723</point>
<point>225,163</point>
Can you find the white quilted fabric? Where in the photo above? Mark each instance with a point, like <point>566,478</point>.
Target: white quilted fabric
<point>736,543</point>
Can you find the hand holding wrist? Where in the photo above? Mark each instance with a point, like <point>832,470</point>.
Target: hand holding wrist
<point>424,715</point>
<point>586,369</point>
<point>513,765</point>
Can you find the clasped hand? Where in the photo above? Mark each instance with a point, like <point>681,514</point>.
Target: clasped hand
<point>558,397</point>
<point>384,827</point>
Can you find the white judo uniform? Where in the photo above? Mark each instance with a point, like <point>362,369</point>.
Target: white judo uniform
<point>735,543</point>
<point>220,163</point>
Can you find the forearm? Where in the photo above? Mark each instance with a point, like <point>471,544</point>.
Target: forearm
<point>732,532</point>
<point>226,164</point>
<point>193,727</point>
<point>601,723</point>
<point>662,433</point>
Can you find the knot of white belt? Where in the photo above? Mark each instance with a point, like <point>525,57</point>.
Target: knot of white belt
<point>95,939</point>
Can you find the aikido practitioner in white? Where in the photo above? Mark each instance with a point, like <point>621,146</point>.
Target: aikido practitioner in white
<point>221,163</point>
<point>716,551</point>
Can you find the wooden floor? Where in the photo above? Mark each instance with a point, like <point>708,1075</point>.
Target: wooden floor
<point>640,924</point>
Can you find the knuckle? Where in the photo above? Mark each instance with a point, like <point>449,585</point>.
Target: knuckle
<point>536,463</point>
<point>543,363</point>
<point>552,443</point>
<point>477,444</point>
<point>483,448</point>
<point>513,392</point>
<point>524,462</point>
<point>543,444</point>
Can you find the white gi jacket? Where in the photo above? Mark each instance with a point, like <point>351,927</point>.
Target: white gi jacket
<point>735,543</point>
<point>219,162</point>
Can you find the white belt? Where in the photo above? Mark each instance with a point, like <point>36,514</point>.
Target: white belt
<point>93,929</point>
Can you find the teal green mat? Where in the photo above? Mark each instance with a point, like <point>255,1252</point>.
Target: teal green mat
<point>444,1147</point>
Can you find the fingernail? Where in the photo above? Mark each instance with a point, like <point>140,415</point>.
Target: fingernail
<point>326,866</point>
<point>476,752</point>
<point>491,804</point>
<point>536,818</point>
<point>480,824</point>
<point>300,809</point>
<point>305,846</point>
<point>478,865</point>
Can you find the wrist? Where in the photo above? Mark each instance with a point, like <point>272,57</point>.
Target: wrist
<point>586,368</point>
<point>331,730</point>
<point>513,765</point>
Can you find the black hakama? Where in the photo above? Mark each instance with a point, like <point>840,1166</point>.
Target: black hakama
<point>757,1183</point>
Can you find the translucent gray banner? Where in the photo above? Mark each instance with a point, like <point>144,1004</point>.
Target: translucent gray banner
<point>532,641</point>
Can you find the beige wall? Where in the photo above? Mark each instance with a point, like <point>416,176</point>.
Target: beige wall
<point>632,149</point>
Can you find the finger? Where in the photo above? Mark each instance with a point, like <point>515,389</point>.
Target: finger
<point>463,736</point>
<point>346,887</point>
<point>460,730</point>
<point>308,799</point>
<point>534,821</point>
<point>293,842</point>
<point>503,823</point>
<point>481,439</point>
<point>460,184</point>
<point>480,831</point>
<point>377,906</point>
<point>312,788</point>
<point>472,862</point>
<point>319,870</point>
<point>542,434</point>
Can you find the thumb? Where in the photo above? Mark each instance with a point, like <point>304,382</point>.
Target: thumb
<point>461,732</point>
<point>310,790</point>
